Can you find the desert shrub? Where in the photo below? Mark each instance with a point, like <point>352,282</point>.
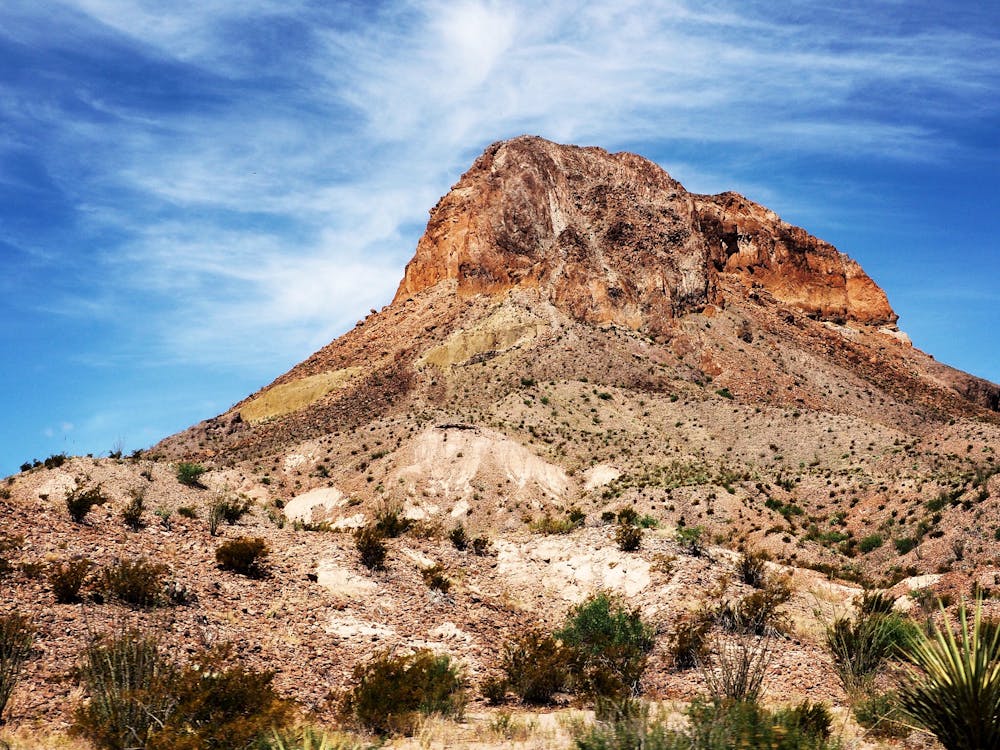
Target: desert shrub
<point>879,713</point>
<point>738,667</point>
<point>67,578</point>
<point>688,644</point>
<point>861,646</point>
<point>628,515</point>
<point>458,538</point>
<point>127,678</point>
<point>634,728</point>
<point>391,691</point>
<point>186,511</point>
<point>243,555</point>
<point>390,523</point>
<point>608,644</point>
<point>752,568</point>
<point>8,544</point>
<point>690,539</point>
<point>189,474</point>
<point>435,578</point>
<point>956,695</point>
<point>871,543</point>
<point>219,705</point>
<point>132,513</point>
<point>140,699</point>
<point>16,635</point>
<point>494,690</point>
<point>729,724</point>
<point>628,537</point>
<point>904,544</point>
<point>138,582</point>
<point>480,546</point>
<point>371,547</point>
<point>536,666</point>
<point>54,461</point>
<point>813,719</point>
<point>757,613</point>
<point>549,524</point>
<point>79,501</point>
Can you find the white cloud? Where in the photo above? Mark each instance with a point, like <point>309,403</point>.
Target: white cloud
<point>283,217</point>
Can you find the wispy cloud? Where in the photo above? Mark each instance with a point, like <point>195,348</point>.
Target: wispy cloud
<point>270,176</point>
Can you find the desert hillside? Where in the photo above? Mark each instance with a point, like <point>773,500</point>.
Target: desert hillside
<point>589,381</point>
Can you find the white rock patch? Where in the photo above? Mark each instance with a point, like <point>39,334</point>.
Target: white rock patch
<point>315,505</point>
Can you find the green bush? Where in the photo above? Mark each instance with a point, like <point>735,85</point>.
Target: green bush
<point>67,578</point>
<point>609,643</point>
<point>138,582</point>
<point>956,695</point>
<point>79,501</point>
<point>226,509</point>
<point>879,713</point>
<point>189,474</point>
<point>16,636</point>
<point>710,726</point>
<point>871,543</point>
<point>862,645</point>
<point>536,666</point>
<point>371,547</point>
<point>628,537</point>
<point>391,692</point>
<point>186,511</point>
<point>243,555</point>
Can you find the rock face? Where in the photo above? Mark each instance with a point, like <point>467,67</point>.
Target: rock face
<point>612,238</point>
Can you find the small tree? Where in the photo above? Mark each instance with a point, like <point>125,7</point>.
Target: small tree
<point>609,643</point>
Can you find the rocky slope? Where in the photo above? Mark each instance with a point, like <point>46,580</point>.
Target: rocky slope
<point>575,331</point>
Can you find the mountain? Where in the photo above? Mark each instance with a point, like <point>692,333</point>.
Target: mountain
<point>576,336</point>
<point>572,315</point>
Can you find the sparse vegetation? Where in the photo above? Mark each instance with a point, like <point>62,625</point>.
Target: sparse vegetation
<point>243,555</point>
<point>371,547</point>
<point>80,501</point>
<point>67,578</point>
<point>140,699</point>
<point>132,513</point>
<point>690,539</point>
<point>392,691</point>
<point>752,568</point>
<point>688,646</point>
<point>458,538</point>
<point>189,474</point>
<point>609,643</point>
<point>536,666</point>
<point>16,637</point>
<point>628,537</point>
<point>435,578</point>
<point>138,582</point>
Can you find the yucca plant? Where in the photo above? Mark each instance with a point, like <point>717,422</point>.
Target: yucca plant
<point>956,696</point>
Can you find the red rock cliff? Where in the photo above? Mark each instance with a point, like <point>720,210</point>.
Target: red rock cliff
<point>612,238</point>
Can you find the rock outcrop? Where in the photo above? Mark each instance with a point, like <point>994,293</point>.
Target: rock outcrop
<point>612,238</point>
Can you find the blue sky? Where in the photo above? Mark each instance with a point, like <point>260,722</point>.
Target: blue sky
<point>196,195</point>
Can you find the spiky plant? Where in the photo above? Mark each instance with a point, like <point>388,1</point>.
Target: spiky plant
<point>956,695</point>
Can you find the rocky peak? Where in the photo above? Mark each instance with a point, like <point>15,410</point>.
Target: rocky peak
<point>612,238</point>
